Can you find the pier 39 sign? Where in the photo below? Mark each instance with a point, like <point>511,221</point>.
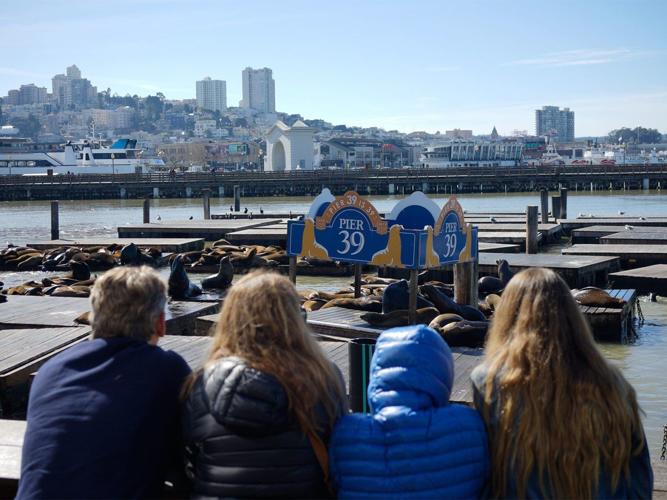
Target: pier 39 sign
<point>415,235</point>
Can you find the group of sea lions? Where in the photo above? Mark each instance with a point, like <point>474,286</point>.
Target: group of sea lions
<point>58,259</point>
<point>77,283</point>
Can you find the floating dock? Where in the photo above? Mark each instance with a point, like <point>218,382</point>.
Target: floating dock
<point>34,312</point>
<point>273,234</point>
<point>571,224</point>
<point>171,245</point>
<point>650,279</point>
<point>577,271</point>
<point>613,324</point>
<point>209,230</point>
<point>592,234</point>
<point>633,237</point>
<point>630,256</point>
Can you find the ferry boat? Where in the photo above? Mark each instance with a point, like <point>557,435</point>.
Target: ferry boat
<point>462,153</point>
<point>20,156</point>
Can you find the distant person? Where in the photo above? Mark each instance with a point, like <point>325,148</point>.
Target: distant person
<point>414,443</point>
<point>103,417</point>
<point>562,421</point>
<point>262,408</point>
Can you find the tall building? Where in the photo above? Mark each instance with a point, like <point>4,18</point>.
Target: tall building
<point>73,72</point>
<point>32,94</point>
<point>72,90</point>
<point>259,90</point>
<point>554,122</point>
<point>212,94</point>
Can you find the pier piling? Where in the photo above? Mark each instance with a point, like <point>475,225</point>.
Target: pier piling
<point>555,206</point>
<point>544,205</point>
<point>237,198</point>
<point>465,283</point>
<point>55,221</point>
<point>563,203</point>
<point>531,229</point>
<point>357,280</point>
<point>147,210</point>
<point>206,199</point>
<point>412,306</point>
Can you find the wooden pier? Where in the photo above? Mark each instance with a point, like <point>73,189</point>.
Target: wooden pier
<point>209,230</point>
<point>172,245</point>
<point>592,234</point>
<point>633,237</point>
<point>630,256</point>
<point>650,279</point>
<point>571,224</point>
<point>273,234</point>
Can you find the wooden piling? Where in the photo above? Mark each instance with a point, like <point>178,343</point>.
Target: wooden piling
<point>357,280</point>
<point>55,221</point>
<point>412,305</point>
<point>555,206</point>
<point>237,198</point>
<point>563,203</point>
<point>147,210</point>
<point>544,206</point>
<point>206,200</point>
<point>292,269</point>
<point>465,283</point>
<point>531,229</point>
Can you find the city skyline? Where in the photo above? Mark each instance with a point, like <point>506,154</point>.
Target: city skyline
<point>436,66</point>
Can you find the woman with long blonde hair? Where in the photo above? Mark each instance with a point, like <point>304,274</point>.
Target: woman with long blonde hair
<point>562,421</point>
<point>265,400</point>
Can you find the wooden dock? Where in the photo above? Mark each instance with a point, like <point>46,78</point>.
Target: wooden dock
<point>24,350</point>
<point>274,234</point>
<point>577,271</point>
<point>572,224</point>
<point>633,237</point>
<point>507,238</point>
<point>592,234</point>
<point>29,312</point>
<point>650,279</point>
<point>613,325</point>
<point>498,247</point>
<point>630,256</point>
<point>176,245</point>
<point>209,230</point>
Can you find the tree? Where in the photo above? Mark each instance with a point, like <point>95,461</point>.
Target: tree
<point>638,135</point>
<point>154,107</point>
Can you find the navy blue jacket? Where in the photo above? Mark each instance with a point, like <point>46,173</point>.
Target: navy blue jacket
<point>103,422</point>
<point>414,444</point>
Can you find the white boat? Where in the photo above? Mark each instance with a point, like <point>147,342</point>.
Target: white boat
<point>20,156</point>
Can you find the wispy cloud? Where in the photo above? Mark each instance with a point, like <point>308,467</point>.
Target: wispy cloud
<point>579,57</point>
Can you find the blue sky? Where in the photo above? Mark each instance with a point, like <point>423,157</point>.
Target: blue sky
<point>410,65</point>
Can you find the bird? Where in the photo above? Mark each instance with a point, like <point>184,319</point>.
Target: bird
<point>191,217</point>
<point>581,215</point>
<point>261,210</point>
<point>492,219</point>
<point>621,212</point>
<point>159,218</point>
<point>629,227</point>
<point>245,211</point>
<point>642,218</point>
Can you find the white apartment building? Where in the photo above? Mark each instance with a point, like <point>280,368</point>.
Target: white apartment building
<point>259,90</point>
<point>212,94</point>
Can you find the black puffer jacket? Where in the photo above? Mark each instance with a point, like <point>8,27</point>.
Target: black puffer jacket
<point>241,440</point>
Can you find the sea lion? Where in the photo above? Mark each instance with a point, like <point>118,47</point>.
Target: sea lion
<point>444,319</point>
<point>447,305</point>
<point>504,272</point>
<point>369,279</point>
<point>129,255</point>
<point>490,284</point>
<point>313,305</point>
<point>31,263</point>
<point>3,298</point>
<point>83,318</point>
<point>69,291</point>
<point>465,333</point>
<point>373,304</point>
<point>223,278</point>
<point>492,300</point>
<point>180,286</point>
<point>80,271</point>
<point>596,297</point>
<point>397,297</point>
<point>400,317</point>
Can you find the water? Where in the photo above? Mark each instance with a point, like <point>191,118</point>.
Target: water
<point>641,361</point>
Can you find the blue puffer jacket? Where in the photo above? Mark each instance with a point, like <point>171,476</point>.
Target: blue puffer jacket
<point>414,444</point>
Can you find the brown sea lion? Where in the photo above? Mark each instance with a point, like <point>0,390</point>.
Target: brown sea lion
<point>373,304</point>
<point>3,298</point>
<point>30,264</point>
<point>447,305</point>
<point>369,279</point>
<point>400,317</point>
<point>83,318</point>
<point>313,305</point>
<point>596,297</point>
<point>489,284</point>
<point>465,333</point>
<point>444,319</point>
<point>69,291</point>
<point>221,242</point>
<point>504,272</point>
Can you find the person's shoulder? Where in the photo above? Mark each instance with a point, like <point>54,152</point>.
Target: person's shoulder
<point>171,360</point>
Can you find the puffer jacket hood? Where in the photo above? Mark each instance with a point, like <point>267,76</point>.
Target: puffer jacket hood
<point>412,367</point>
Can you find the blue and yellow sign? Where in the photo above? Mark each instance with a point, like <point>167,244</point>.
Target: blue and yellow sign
<point>350,229</point>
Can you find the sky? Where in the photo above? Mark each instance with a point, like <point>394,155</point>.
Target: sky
<point>407,65</point>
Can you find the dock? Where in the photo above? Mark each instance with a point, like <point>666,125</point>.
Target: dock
<point>34,312</point>
<point>210,230</point>
<point>613,325</point>
<point>577,271</point>
<point>498,247</point>
<point>630,256</point>
<point>650,279</point>
<point>172,245</point>
<point>593,233</point>
<point>24,350</point>
<point>272,234</point>
<point>506,238</point>
<point>571,224</point>
<point>633,237</point>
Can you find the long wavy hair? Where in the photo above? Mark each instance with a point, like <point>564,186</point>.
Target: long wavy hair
<point>562,410</point>
<point>261,322</point>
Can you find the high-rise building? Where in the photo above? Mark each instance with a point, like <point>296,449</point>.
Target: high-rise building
<point>12,97</point>
<point>212,94</point>
<point>32,94</point>
<point>62,92</point>
<point>554,122</point>
<point>72,90</point>
<point>259,90</point>
<point>73,72</point>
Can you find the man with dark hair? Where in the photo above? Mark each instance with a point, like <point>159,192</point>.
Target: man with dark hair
<point>103,416</point>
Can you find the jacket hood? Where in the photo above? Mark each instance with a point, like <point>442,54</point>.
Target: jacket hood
<point>412,367</point>
<point>245,399</point>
